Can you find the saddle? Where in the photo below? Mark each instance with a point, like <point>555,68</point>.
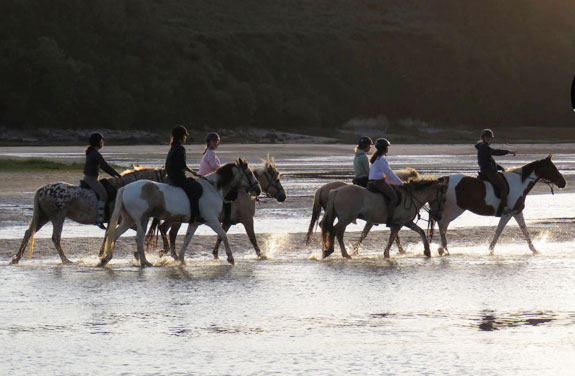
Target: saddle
<point>112,192</point>
<point>496,190</point>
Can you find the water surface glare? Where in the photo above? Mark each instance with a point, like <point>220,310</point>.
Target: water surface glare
<point>463,314</point>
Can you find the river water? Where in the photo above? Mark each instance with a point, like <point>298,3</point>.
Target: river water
<point>468,313</point>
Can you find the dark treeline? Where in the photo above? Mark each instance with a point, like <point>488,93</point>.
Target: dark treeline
<point>292,64</point>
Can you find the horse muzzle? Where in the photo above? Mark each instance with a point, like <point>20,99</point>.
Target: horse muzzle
<point>281,197</point>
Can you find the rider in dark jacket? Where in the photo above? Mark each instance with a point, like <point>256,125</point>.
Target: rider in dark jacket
<point>94,161</point>
<point>489,167</point>
<point>176,168</point>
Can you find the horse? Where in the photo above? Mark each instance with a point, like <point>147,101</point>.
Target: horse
<point>351,201</point>
<point>137,202</point>
<point>469,193</point>
<point>320,201</point>
<point>56,202</point>
<point>241,210</point>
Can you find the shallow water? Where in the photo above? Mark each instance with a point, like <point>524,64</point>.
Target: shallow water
<point>468,313</point>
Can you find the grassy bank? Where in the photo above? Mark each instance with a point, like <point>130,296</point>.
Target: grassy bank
<point>41,164</point>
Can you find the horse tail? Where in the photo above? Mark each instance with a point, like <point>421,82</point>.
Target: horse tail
<point>315,212</point>
<point>34,222</point>
<point>328,219</point>
<point>114,219</point>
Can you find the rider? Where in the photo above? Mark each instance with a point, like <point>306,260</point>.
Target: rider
<point>381,176</point>
<point>361,162</point>
<point>176,168</point>
<point>94,161</point>
<point>489,168</point>
<point>210,161</point>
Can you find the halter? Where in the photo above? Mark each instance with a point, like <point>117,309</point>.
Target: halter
<point>271,183</point>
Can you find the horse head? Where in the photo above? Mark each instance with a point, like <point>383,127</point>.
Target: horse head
<point>246,177</point>
<point>269,179</point>
<point>546,170</point>
<point>430,190</point>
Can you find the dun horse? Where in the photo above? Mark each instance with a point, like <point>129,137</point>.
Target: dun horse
<point>56,202</point>
<point>468,193</point>
<point>320,201</point>
<point>350,202</point>
<point>241,210</point>
<point>139,201</point>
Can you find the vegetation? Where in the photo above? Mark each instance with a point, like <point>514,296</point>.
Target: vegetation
<point>292,64</point>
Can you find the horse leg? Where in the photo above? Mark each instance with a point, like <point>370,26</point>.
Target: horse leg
<point>140,240</point>
<point>226,226</point>
<point>215,225</point>
<point>125,225</point>
<point>192,227</point>
<point>366,229</point>
<point>16,259</point>
<point>421,233</point>
<point>521,222</point>
<point>339,230</point>
<point>249,226</point>
<point>400,248</point>
<point>392,234</point>
<point>173,235</point>
<point>443,233</point>
<point>502,222</point>
<point>57,225</point>
<point>163,228</point>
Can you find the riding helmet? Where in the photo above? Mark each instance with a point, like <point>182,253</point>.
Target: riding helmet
<point>212,136</point>
<point>364,142</point>
<point>95,138</point>
<point>179,131</point>
<point>382,143</point>
<point>487,133</point>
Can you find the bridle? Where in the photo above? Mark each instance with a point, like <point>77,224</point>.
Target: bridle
<point>247,176</point>
<point>536,180</point>
<point>271,183</point>
<point>440,195</point>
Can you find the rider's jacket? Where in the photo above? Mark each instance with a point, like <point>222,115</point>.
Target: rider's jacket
<point>485,157</point>
<point>176,161</point>
<point>209,163</point>
<point>360,164</point>
<point>94,161</point>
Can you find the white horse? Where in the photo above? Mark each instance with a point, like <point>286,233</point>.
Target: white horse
<point>139,201</point>
<point>469,193</point>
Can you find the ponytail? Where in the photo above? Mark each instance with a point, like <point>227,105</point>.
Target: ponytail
<point>376,154</point>
<point>88,149</point>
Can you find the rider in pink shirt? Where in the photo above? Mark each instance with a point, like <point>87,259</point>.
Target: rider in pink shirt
<point>210,161</point>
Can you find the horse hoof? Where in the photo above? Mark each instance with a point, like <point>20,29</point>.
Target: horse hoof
<point>231,260</point>
<point>261,256</point>
<point>401,251</point>
<point>146,264</point>
<point>14,261</point>
<point>216,257</point>
<point>427,253</point>
<point>137,256</point>
<point>347,257</point>
<point>163,252</point>
<point>102,263</point>
<point>440,251</point>
<point>66,262</point>
<point>326,254</point>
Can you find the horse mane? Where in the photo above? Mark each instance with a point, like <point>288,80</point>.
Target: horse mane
<point>529,168</point>
<point>417,184</point>
<point>136,169</point>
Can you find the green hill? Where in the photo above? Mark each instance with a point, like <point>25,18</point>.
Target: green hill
<point>301,65</point>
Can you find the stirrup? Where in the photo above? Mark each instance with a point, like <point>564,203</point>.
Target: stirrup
<point>101,225</point>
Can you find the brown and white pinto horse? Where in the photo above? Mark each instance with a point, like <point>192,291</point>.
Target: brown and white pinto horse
<point>468,193</point>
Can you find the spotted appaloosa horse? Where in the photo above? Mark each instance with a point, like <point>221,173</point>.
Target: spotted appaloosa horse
<point>468,193</point>
<point>56,202</point>
<point>137,202</point>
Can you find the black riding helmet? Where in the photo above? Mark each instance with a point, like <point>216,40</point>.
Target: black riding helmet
<point>364,142</point>
<point>487,133</point>
<point>382,144</point>
<point>179,131</point>
<point>212,136</point>
<point>95,139</point>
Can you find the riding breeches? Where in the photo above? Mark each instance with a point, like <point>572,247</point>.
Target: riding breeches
<point>498,181</point>
<point>381,186</point>
<point>95,184</point>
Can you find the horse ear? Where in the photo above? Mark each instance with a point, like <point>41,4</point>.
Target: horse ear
<point>550,156</point>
